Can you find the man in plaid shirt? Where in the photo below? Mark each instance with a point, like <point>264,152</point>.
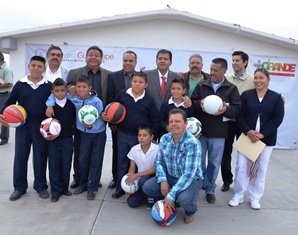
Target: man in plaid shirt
<point>178,168</point>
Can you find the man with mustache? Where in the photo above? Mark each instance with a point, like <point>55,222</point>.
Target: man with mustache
<point>195,73</point>
<point>54,69</point>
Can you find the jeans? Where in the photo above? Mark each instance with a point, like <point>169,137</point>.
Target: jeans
<point>215,148</point>
<point>185,199</point>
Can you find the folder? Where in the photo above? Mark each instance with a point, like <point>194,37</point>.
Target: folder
<point>249,149</point>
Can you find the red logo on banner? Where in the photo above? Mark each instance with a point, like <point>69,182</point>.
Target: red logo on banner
<point>278,69</point>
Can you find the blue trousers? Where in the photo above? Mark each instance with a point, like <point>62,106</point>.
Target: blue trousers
<point>92,149</point>
<point>125,143</point>
<point>28,135</point>
<point>185,199</point>
<point>139,196</point>
<point>4,131</point>
<point>60,156</point>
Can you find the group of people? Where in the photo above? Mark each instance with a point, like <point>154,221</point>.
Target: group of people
<point>152,144</point>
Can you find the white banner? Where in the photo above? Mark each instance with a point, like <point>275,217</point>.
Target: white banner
<point>283,73</point>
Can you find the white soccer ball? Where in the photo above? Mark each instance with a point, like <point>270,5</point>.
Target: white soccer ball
<point>132,188</point>
<point>50,128</point>
<point>194,126</point>
<point>88,114</point>
<point>212,104</point>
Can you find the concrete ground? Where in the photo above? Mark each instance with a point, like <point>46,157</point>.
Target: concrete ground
<point>105,215</point>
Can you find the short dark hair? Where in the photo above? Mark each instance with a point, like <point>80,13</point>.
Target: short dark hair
<point>262,70</point>
<point>131,52</point>
<point>142,75</point>
<point>223,62</point>
<point>181,111</point>
<point>147,127</point>
<point>164,51</point>
<point>38,58</point>
<point>179,81</point>
<point>95,48</point>
<point>243,56</point>
<point>84,78</point>
<point>54,48</point>
<point>59,82</point>
<point>1,56</point>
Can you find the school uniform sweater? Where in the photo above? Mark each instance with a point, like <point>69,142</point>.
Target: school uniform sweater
<point>32,100</point>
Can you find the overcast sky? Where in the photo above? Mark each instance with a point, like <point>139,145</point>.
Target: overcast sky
<point>274,17</point>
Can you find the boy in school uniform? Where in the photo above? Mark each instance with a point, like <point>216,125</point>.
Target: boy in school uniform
<point>93,138</point>
<point>31,92</point>
<point>142,166</point>
<point>60,149</point>
<point>140,109</point>
<point>178,89</point>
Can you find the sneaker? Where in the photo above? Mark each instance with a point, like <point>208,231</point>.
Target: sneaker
<point>236,201</point>
<point>255,205</point>
<point>210,198</point>
<point>44,194</point>
<point>150,203</point>
<point>189,218</point>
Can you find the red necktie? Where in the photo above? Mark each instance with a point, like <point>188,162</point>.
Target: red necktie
<point>163,85</point>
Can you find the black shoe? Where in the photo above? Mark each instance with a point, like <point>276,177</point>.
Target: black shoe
<point>66,192</point>
<point>54,199</point>
<point>210,198</point>
<point>74,184</point>
<point>225,187</point>
<point>90,195</point>
<point>3,142</point>
<point>44,194</point>
<point>204,188</point>
<point>118,194</point>
<point>100,185</point>
<point>16,195</point>
<point>79,191</point>
<point>113,184</point>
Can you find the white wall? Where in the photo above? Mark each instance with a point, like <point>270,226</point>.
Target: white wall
<point>152,34</point>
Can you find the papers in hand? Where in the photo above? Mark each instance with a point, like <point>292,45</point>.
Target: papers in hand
<point>249,149</point>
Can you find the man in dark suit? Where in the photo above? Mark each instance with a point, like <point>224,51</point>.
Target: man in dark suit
<point>118,81</point>
<point>99,82</point>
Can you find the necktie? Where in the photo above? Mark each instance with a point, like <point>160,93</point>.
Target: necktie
<point>163,85</point>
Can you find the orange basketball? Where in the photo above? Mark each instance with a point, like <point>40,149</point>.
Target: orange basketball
<point>15,115</point>
<point>116,112</point>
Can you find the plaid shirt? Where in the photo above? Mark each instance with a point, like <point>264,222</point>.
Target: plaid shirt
<point>181,160</point>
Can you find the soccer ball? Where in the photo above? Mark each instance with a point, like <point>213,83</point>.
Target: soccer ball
<point>88,114</point>
<point>50,128</point>
<point>194,126</point>
<point>212,103</point>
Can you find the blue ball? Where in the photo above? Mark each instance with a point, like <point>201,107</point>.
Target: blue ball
<point>161,216</point>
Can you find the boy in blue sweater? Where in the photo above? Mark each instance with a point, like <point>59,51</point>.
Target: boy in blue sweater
<point>93,138</point>
<point>31,92</point>
<point>140,109</point>
<point>61,148</point>
<point>178,89</point>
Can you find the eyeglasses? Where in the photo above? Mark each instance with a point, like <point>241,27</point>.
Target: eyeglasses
<point>54,54</point>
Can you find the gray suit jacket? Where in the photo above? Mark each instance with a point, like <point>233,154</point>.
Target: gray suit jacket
<point>153,87</point>
<point>64,73</point>
<point>74,74</point>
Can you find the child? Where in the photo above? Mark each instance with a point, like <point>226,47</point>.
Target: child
<point>93,138</point>
<point>141,157</point>
<point>31,92</point>
<point>61,149</point>
<point>178,88</point>
<point>140,109</point>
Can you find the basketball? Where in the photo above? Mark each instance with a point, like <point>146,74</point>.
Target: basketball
<point>116,112</point>
<point>129,188</point>
<point>88,114</point>
<point>161,216</point>
<point>212,104</point>
<point>194,126</point>
<point>15,115</point>
<point>50,128</point>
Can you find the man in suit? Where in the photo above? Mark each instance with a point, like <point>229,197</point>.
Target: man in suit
<point>54,69</point>
<point>99,82</point>
<point>118,81</point>
<point>161,77</point>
